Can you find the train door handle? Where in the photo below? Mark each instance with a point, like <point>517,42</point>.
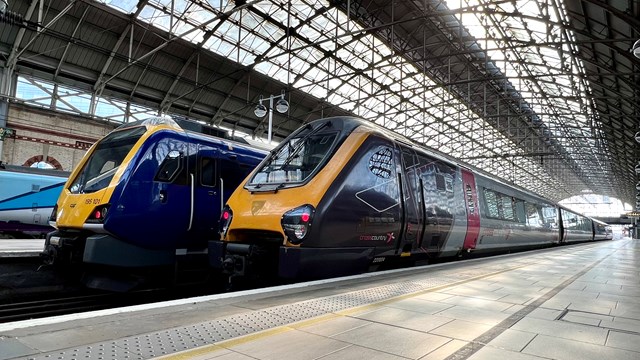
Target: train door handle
<point>211,192</point>
<point>163,196</point>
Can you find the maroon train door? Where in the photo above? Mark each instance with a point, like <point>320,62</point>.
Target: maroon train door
<point>473,213</point>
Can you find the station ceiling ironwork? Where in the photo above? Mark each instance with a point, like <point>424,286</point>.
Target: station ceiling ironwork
<point>542,93</point>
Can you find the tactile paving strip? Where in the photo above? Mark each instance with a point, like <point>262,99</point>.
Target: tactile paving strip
<point>174,340</point>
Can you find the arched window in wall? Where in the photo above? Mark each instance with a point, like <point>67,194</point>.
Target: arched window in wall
<point>40,162</point>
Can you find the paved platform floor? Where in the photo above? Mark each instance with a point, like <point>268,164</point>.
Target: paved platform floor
<point>572,302</point>
<point>21,247</point>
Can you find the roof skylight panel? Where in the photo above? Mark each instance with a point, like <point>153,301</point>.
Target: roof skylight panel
<point>126,6</point>
<point>299,65</point>
<point>253,43</point>
<point>155,17</point>
<point>316,90</point>
<point>245,57</point>
<point>326,24</point>
<point>272,9</point>
<point>188,32</point>
<point>349,91</point>
<point>223,47</point>
<point>373,104</point>
<point>352,58</point>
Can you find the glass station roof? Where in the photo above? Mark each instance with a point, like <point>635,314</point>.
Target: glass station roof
<point>527,47</point>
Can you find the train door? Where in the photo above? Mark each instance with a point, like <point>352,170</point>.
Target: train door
<point>411,203</point>
<point>172,200</point>
<point>206,196</point>
<point>219,172</point>
<point>436,181</point>
<point>473,213</point>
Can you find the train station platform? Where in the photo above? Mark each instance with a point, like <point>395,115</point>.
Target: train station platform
<point>21,247</point>
<point>571,302</point>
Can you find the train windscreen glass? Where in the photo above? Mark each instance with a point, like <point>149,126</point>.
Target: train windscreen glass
<point>98,170</point>
<point>296,160</point>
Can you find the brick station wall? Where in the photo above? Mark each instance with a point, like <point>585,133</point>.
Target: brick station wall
<point>58,138</point>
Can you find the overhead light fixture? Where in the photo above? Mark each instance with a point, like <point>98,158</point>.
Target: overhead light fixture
<point>260,110</point>
<point>635,49</point>
<point>282,106</point>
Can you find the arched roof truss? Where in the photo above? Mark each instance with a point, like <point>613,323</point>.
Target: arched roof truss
<point>544,92</point>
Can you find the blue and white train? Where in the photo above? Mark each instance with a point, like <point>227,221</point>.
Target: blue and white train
<point>27,196</point>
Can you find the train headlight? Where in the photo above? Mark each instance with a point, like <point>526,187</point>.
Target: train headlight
<point>225,221</point>
<point>297,222</point>
<point>98,214</point>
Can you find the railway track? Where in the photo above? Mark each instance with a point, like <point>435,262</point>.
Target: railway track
<point>32,309</point>
<point>48,304</point>
<point>30,291</point>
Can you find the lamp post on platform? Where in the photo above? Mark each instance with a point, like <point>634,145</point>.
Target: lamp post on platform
<point>281,106</point>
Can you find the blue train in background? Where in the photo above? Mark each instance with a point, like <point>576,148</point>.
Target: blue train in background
<point>27,197</point>
<point>146,199</point>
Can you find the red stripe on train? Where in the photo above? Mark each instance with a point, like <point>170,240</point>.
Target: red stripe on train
<point>473,212</point>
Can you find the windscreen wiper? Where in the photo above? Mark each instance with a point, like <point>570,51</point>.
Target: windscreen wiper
<point>300,144</point>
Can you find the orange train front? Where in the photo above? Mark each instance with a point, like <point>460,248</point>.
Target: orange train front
<point>341,195</point>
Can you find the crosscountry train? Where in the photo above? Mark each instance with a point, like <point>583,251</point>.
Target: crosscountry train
<point>343,196</point>
<point>27,196</point>
<point>146,196</point>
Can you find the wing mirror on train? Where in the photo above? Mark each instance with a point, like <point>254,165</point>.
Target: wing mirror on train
<point>54,214</point>
<point>297,222</point>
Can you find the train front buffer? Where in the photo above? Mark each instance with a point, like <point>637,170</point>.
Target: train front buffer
<point>270,254</point>
<point>257,253</point>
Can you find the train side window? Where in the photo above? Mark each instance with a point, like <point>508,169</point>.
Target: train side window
<point>440,182</point>
<point>208,171</point>
<point>409,159</point>
<point>230,173</point>
<point>492,204</point>
<point>170,167</point>
<point>507,207</point>
<point>549,217</point>
<point>518,206</point>
<point>534,217</point>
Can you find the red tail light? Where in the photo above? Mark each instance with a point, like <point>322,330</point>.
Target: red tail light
<point>225,221</point>
<point>98,214</point>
